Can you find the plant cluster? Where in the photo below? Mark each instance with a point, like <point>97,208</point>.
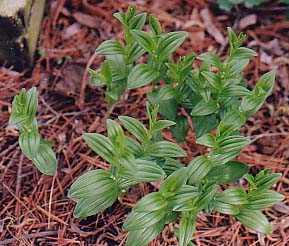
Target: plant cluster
<point>206,94</point>
<point>216,98</point>
<point>35,148</point>
<point>185,190</point>
<point>228,4</point>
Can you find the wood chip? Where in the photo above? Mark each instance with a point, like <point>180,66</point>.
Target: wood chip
<point>210,27</point>
<point>87,20</point>
<point>248,20</point>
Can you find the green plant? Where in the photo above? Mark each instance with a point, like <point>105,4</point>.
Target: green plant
<point>35,148</point>
<point>228,4</point>
<point>185,191</point>
<point>206,93</point>
<point>216,98</point>
<point>147,158</point>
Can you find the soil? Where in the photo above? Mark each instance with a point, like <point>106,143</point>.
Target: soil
<point>34,208</point>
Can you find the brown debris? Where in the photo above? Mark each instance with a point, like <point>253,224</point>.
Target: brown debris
<point>248,20</point>
<point>211,27</point>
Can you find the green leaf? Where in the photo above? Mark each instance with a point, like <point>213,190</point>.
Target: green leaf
<point>255,220</point>
<point>29,143</point>
<point>143,171</point>
<point>31,103</point>
<point>110,47</point>
<point>24,106</point>
<point>174,182</point>
<point>141,75</point>
<point>155,25</point>
<point>91,184</point>
<point>96,190</point>
<point>207,140</point>
<point>134,147</point>
<point>135,127</point>
<point>204,124</point>
<point>166,92</point>
<point>226,208</point>
<point>100,144</point>
<point>121,17</point>
<point>227,173</point>
<point>237,66</point>
<point>162,124</point>
<point>165,149</point>
<point>180,129</point>
<point>225,5</point>
<point>233,39</point>
<point>139,220</point>
<point>260,200</point>
<point>96,78</point>
<point>19,103</point>
<point>234,118</point>
<point>151,202</point>
<point>173,69</point>
<point>206,197</point>
<point>198,168</point>
<point>235,91</point>
<point>16,118</point>
<point>171,165</point>
<point>45,160</point>
<point>204,108</point>
<point>137,22</point>
<point>252,103</point>
<point>117,137</point>
<point>118,68</point>
<point>106,72</point>
<point>185,66</point>
<point>265,182</point>
<point>135,51</point>
<point>145,40</point>
<point>220,159</point>
<point>214,79</point>
<point>265,84</point>
<point>168,108</point>
<point>113,129</point>
<point>211,59</point>
<point>92,205</point>
<point>130,13</point>
<point>243,53</point>
<point>224,130</point>
<point>168,43</point>
<point>234,196</point>
<point>144,235</point>
<point>183,195</point>
<point>186,228</point>
<point>231,144</point>
<point>200,202</point>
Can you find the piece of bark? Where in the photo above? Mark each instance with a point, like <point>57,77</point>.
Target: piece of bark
<point>211,28</point>
<point>20,22</point>
<point>69,85</point>
<point>248,20</point>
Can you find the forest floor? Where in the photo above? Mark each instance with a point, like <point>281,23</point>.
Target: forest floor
<point>34,208</point>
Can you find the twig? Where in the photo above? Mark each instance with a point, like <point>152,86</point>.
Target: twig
<point>50,201</point>
<point>51,216</point>
<point>268,134</point>
<point>19,175</point>
<point>29,236</point>
<point>80,102</point>
<point>16,197</point>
